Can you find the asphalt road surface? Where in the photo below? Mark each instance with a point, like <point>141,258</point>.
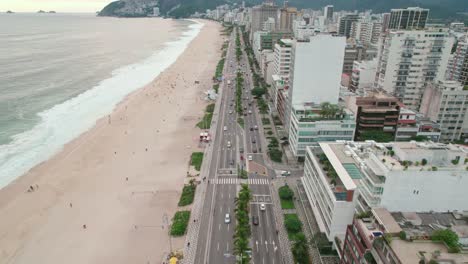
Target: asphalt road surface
<point>215,240</point>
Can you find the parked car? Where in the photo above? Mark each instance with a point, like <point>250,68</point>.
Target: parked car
<point>250,157</point>
<point>256,127</point>
<point>285,173</point>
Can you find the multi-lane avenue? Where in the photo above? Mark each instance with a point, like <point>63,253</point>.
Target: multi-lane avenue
<point>235,147</point>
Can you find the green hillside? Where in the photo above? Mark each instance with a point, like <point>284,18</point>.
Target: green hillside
<point>441,10</point>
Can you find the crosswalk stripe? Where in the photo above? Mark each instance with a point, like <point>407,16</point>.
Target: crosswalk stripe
<point>240,181</point>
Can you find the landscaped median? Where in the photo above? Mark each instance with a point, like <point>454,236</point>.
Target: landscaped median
<point>242,232</point>
<point>299,241</point>
<point>286,197</point>
<point>273,150</point>
<point>179,223</point>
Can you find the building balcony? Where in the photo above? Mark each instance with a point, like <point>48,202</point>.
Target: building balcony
<point>390,123</point>
<point>382,118</point>
<point>371,125</point>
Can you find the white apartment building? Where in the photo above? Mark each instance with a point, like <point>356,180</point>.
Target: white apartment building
<point>363,76</point>
<point>330,190</point>
<point>366,31</point>
<point>282,59</point>
<point>315,72</point>
<point>267,65</point>
<point>302,31</point>
<point>309,127</point>
<point>446,102</point>
<point>457,69</point>
<point>411,177</point>
<point>409,60</point>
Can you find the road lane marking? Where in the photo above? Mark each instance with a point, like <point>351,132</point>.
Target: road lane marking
<point>227,246</point>
<point>219,227</point>
<point>228,227</point>
<point>217,247</point>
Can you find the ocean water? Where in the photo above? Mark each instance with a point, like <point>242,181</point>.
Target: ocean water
<point>59,73</point>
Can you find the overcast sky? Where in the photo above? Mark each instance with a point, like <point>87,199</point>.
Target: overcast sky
<point>56,5</point>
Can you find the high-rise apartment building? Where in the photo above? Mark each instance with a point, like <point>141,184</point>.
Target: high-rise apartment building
<point>287,15</point>
<point>457,69</point>
<point>260,14</point>
<point>356,51</point>
<point>315,73</point>
<point>282,61</point>
<point>330,189</point>
<point>377,112</point>
<point>328,13</point>
<point>309,127</point>
<point>400,176</point>
<point>344,24</point>
<point>409,18</point>
<point>363,76</point>
<point>409,60</point>
<point>446,102</point>
<point>367,32</point>
<point>385,22</point>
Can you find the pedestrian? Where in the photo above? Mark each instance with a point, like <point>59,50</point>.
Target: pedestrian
<point>84,226</point>
<point>31,188</point>
<point>71,205</point>
<point>188,244</point>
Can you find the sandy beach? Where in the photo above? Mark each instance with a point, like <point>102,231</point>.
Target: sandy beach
<point>103,197</point>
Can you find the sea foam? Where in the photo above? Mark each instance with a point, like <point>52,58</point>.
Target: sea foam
<point>64,122</point>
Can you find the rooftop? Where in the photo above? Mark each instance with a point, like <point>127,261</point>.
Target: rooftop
<point>412,156</point>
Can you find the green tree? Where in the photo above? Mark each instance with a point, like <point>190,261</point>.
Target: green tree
<point>286,193</point>
<point>447,236</point>
<point>258,91</point>
<point>275,154</point>
<point>300,249</point>
<point>293,225</point>
<point>376,135</point>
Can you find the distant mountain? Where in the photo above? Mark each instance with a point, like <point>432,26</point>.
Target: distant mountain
<point>129,8</point>
<point>440,9</point>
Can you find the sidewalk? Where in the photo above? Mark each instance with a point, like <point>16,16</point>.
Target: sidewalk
<point>199,199</point>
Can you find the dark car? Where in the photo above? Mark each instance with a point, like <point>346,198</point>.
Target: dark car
<point>255,220</point>
<point>253,141</point>
<point>254,150</point>
<point>251,129</point>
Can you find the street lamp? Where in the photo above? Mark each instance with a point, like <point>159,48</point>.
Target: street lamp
<point>166,223</point>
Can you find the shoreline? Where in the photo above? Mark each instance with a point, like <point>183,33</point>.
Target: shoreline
<point>19,155</point>
<point>125,172</point>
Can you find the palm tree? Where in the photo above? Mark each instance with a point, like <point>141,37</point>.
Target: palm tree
<point>300,248</point>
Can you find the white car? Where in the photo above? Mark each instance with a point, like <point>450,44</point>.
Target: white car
<point>262,207</point>
<point>225,128</point>
<point>250,157</point>
<point>227,219</point>
<point>250,112</point>
<point>230,112</point>
<point>285,173</point>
